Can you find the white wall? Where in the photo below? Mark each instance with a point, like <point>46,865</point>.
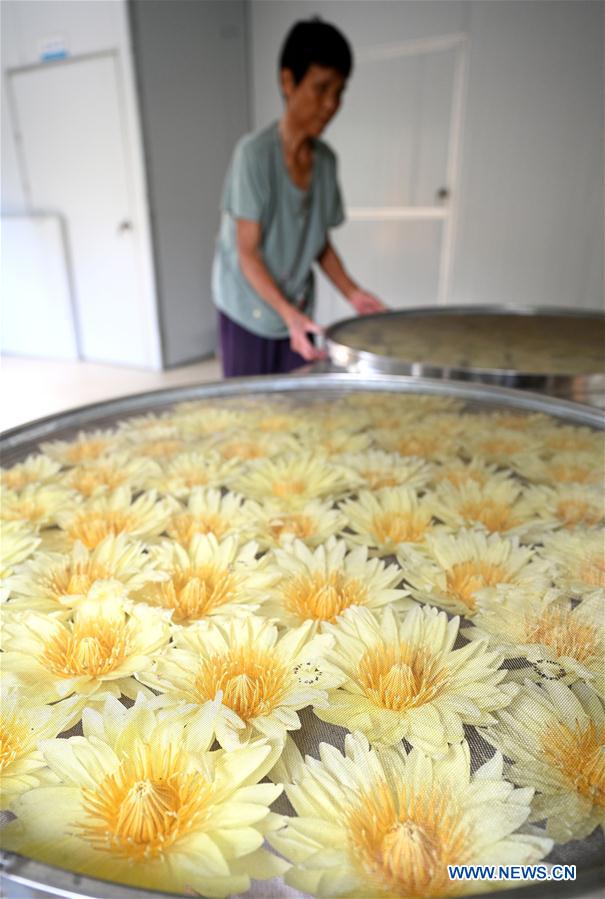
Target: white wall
<point>82,27</point>
<point>365,23</point>
<point>530,224</point>
<point>192,73</point>
<point>531,217</point>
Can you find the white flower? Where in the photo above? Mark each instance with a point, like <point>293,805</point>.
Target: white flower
<point>497,506</point>
<point>273,525</point>
<point>96,653</point>
<point>109,472</point>
<point>186,472</point>
<point>404,679</point>
<point>18,540</point>
<point>319,585</point>
<point>568,506</point>
<point>114,512</point>
<point>555,738</point>
<point>577,559</point>
<point>86,446</point>
<point>37,504</point>
<point>453,569</point>
<point>387,520</point>
<point>55,582</point>
<point>295,478</point>
<point>207,578</point>
<point>502,446</point>
<point>386,824</point>
<point>261,679</point>
<point>563,468</point>
<point>36,469</point>
<point>139,799</point>
<point>378,469</point>
<point>559,639</point>
<point>208,511</point>
<point>24,721</point>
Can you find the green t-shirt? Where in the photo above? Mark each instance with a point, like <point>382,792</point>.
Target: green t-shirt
<point>294,222</point>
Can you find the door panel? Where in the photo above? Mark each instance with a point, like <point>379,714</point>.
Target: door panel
<point>392,135</point>
<point>393,141</point>
<point>399,261</point>
<point>73,142</point>
<point>436,86</point>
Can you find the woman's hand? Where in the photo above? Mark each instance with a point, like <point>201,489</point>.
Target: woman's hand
<point>365,303</point>
<point>299,326</point>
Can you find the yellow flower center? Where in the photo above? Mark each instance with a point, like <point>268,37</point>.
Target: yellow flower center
<point>500,446</point>
<point>275,423</point>
<point>572,512</point>
<point>424,446</point>
<point>300,526</point>
<point>464,579</point>
<point>19,508</point>
<point>17,478</point>
<point>571,442</point>
<point>592,570</point>
<point>85,450</point>
<point>194,593</point>
<point>403,842</point>
<point>157,449</point>
<point>92,527</point>
<point>86,481</point>
<point>385,420</point>
<point>13,738</point>
<point>576,474</point>
<point>75,578</point>
<point>242,450</point>
<point>400,677</point>
<point>321,597</point>
<point>253,681</point>
<point>514,422</point>
<point>399,527</point>
<point>579,754</point>
<point>463,475</point>
<point>293,487</point>
<point>196,478</point>
<point>560,629</point>
<point>375,479</point>
<point>494,515</point>
<point>93,648</point>
<point>184,526</point>
<point>153,798</point>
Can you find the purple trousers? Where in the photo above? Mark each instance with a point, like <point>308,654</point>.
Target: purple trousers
<point>244,353</point>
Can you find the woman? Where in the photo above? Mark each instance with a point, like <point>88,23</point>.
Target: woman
<point>280,200</point>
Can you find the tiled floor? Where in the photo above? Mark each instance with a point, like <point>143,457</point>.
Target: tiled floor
<point>33,388</point>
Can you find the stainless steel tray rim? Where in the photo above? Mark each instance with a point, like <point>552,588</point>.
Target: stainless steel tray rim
<point>375,363</point>
<point>94,413</point>
<point>344,354</point>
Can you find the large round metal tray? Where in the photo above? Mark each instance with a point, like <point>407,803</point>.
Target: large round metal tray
<point>483,344</point>
<point>26,878</point>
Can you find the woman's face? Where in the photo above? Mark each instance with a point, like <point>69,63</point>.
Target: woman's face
<point>315,100</point>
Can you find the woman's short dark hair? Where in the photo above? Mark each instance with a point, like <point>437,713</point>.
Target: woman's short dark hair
<point>314,42</point>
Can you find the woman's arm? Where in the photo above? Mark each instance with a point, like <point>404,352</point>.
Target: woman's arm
<point>255,271</point>
<point>363,302</point>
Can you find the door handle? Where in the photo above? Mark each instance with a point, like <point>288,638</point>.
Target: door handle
<point>442,194</point>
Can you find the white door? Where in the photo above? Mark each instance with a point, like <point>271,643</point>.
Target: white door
<point>73,143</point>
<point>397,140</point>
